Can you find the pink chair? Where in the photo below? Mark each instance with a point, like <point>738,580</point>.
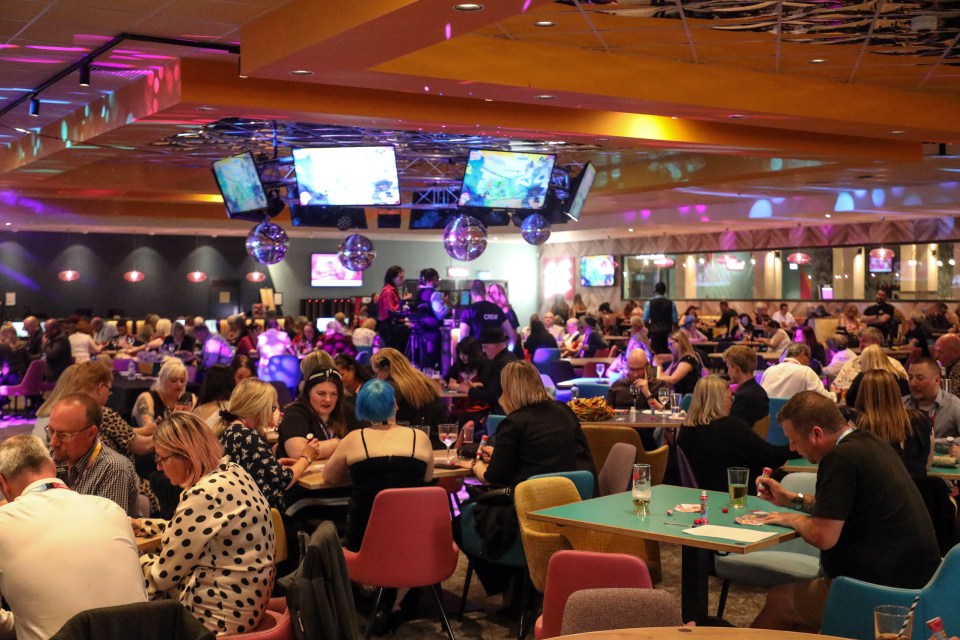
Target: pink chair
<point>29,386</point>
<point>408,543</point>
<point>571,571</point>
<point>274,625</point>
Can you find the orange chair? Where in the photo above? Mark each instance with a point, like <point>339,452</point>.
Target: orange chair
<point>274,625</point>
<point>571,571</point>
<point>408,543</point>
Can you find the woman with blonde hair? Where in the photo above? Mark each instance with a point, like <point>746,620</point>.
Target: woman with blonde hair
<point>872,358</point>
<point>243,432</point>
<point>686,367</point>
<point>850,321</point>
<point>222,515</point>
<point>14,357</point>
<point>712,439</point>
<point>66,384</point>
<point>418,397</point>
<point>539,434</point>
<point>168,393</point>
<point>910,433</point>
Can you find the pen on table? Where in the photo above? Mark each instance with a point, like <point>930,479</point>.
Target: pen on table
<point>678,524</point>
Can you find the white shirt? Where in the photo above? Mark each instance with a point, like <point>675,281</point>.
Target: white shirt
<point>851,368</point>
<point>557,332</point>
<point>779,341</point>
<point>363,337</point>
<point>62,553</point>
<point>786,320</point>
<point>108,333</point>
<point>839,359</point>
<point>80,345</point>
<point>789,378</point>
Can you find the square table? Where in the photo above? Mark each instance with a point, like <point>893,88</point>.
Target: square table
<point>614,514</point>
<point>647,420</point>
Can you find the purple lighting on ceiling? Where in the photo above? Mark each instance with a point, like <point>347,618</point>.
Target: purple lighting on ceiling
<point>8,46</point>
<point>51,48</point>
<point>526,5</point>
<point>113,65</point>
<point>30,60</point>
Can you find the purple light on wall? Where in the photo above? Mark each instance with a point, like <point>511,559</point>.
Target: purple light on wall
<point>19,278</point>
<point>30,60</point>
<point>448,30</point>
<point>114,65</point>
<point>645,214</point>
<point>701,208</point>
<point>51,48</point>
<point>8,46</point>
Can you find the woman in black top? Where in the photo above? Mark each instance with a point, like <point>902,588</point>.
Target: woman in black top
<point>354,374</point>
<point>872,358</point>
<point>713,440</point>
<point>178,341</point>
<point>319,412</point>
<point>539,435</point>
<point>686,368</point>
<point>539,338</point>
<point>910,433</point>
<point>744,329</point>
<point>418,397</point>
<point>14,357</point>
<point>917,336</point>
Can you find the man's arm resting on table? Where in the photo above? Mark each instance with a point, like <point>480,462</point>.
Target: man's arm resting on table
<point>822,533</point>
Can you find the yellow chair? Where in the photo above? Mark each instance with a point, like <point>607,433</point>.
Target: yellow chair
<point>281,536</point>
<point>762,426</point>
<point>601,439</point>
<point>542,539</point>
<point>657,459</point>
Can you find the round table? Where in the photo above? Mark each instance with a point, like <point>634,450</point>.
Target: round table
<point>695,633</point>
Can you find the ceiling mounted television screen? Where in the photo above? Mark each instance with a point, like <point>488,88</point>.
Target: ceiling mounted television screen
<point>597,271</point>
<point>880,265</point>
<point>506,179</point>
<point>347,176</point>
<point>240,186</point>
<point>575,205</point>
<point>326,271</point>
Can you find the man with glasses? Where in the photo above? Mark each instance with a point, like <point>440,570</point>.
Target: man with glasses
<point>83,462</point>
<point>60,552</point>
<point>633,389</point>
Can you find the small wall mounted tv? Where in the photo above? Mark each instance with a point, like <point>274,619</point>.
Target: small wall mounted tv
<point>326,271</point>
<point>579,195</point>
<point>506,179</point>
<point>880,265</point>
<point>239,183</point>
<point>347,176</point>
<point>597,271</point>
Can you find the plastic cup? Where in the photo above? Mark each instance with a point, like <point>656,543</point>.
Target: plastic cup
<point>892,622</point>
<point>737,478</point>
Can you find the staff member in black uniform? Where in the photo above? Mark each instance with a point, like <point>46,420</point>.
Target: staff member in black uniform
<point>483,315</point>
<point>426,320</point>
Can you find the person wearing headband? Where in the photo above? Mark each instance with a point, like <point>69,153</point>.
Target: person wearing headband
<point>320,412</point>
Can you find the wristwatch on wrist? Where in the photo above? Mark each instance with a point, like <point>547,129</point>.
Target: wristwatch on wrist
<point>798,501</point>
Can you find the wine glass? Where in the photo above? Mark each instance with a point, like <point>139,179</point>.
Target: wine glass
<point>635,392</point>
<point>601,367</point>
<point>641,491</point>
<point>448,435</point>
<point>664,396</point>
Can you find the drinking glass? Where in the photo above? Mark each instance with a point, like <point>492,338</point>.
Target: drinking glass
<point>448,435</point>
<point>891,622</point>
<point>675,401</point>
<point>601,367</point>
<point>635,392</point>
<point>641,489</point>
<point>425,427</point>
<point>737,478</point>
<point>664,396</point>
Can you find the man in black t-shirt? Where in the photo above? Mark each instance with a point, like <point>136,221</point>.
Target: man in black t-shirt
<point>867,517</point>
<point>489,388</point>
<point>750,402</point>
<point>727,317</point>
<point>483,315</point>
<point>880,315</point>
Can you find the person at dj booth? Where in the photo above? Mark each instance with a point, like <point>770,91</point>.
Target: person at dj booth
<point>426,319</point>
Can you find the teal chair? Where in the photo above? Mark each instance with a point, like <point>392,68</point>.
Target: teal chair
<point>582,480</point>
<point>593,390</point>
<point>686,401</point>
<point>775,435</point>
<point>850,605</point>
<point>493,423</point>
<point>792,561</point>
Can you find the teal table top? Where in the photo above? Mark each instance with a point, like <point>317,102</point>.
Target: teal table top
<point>615,514</point>
<point>801,464</point>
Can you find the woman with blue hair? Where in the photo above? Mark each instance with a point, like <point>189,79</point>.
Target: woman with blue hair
<point>381,456</point>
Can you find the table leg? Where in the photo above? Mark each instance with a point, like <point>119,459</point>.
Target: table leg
<point>695,568</point>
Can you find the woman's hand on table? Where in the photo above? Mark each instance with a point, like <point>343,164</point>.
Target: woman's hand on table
<point>136,525</point>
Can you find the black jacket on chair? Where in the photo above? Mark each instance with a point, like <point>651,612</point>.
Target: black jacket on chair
<point>157,620</point>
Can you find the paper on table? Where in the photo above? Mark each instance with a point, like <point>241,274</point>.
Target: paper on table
<point>729,533</point>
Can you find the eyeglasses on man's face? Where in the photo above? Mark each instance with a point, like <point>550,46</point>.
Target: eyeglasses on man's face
<point>64,436</point>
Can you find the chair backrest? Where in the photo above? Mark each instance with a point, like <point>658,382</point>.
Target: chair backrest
<point>472,543</point>
<point>775,434</point>
<point>493,423</point>
<point>805,483</point>
<point>617,471</point>
<point>542,539</point>
<point>602,353</point>
<point>592,390</point>
<point>686,401</point>
<point>601,439</point>
<point>560,371</point>
<point>687,477</point>
<point>285,369</point>
<point>543,357</point>
<point>582,480</point>
<point>401,520</point>
<point>280,533</point>
<point>363,357</point>
<point>607,609</point>
<point>548,384</point>
<point>762,427</point>
<point>571,571</point>
<point>30,384</point>
<point>658,460</point>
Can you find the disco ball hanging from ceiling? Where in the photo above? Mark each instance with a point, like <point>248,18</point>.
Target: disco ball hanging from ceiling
<point>465,238</point>
<point>535,229</point>
<point>356,252</point>
<point>267,243</point>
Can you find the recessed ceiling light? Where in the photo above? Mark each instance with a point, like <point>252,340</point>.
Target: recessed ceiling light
<point>7,224</point>
<point>897,132</point>
<point>818,60</point>
<point>206,108</point>
<point>468,6</point>
<point>20,130</point>
<point>545,96</point>
<point>630,230</point>
<point>544,23</point>
<point>488,99</point>
<point>737,116</point>
<point>243,76</point>
<point>827,215</point>
<point>301,72</point>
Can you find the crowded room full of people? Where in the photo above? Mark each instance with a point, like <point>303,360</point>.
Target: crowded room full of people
<point>481,320</point>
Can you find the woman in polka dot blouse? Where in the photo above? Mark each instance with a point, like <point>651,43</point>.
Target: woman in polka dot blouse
<point>217,555</point>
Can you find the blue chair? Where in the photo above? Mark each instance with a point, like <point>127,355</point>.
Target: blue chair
<point>364,354</point>
<point>850,605</point>
<point>582,480</point>
<point>493,423</point>
<point>548,384</point>
<point>792,561</point>
<point>285,369</point>
<point>593,390</point>
<point>686,401</point>
<point>543,357</point>
<point>775,435</point>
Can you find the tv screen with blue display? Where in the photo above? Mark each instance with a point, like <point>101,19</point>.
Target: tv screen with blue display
<point>597,271</point>
<point>575,205</point>
<point>506,179</point>
<point>240,186</point>
<point>347,176</point>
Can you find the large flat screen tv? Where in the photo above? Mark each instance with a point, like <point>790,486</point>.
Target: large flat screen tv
<point>326,271</point>
<point>585,180</point>
<point>597,271</point>
<point>347,176</point>
<point>240,186</point>
<point>506,179</point>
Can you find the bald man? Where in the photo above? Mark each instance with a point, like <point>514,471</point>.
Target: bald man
<point>947,352</point>
<point>619,396</point>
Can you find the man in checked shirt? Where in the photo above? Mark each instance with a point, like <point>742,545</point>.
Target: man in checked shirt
<point>84,463</point>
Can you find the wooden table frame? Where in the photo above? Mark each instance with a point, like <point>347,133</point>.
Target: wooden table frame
<point>313,478</point>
